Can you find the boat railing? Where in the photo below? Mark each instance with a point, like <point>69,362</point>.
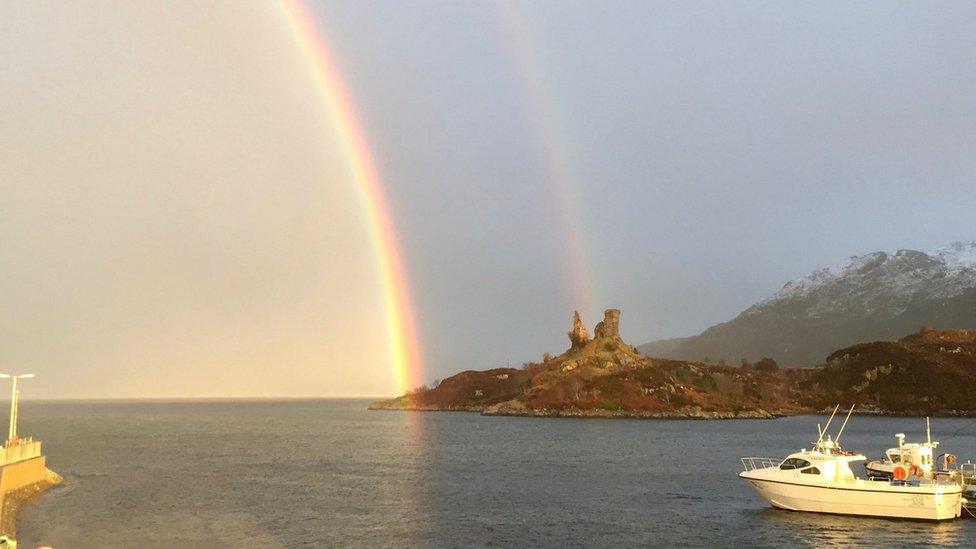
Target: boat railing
<point>967,472</point>
<point>752,463</point>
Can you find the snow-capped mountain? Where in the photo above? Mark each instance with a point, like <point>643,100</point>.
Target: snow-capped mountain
<point>881,295</point>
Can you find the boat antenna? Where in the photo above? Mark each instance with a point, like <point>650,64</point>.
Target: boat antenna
<point>820,439</point>
<point>928,430</point>
<point>849,412</point>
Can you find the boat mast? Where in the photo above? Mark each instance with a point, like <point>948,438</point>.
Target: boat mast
<point>928,430</point>
<point>849,412</point>
<point>820,438</point>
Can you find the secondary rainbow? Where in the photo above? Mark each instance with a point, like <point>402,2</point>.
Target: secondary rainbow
<point>558,174</point>
<point>404,343</point>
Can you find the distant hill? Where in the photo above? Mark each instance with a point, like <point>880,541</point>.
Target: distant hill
<point>877,296</point>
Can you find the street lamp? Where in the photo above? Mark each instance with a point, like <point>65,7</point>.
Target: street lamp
<point>14,397</point>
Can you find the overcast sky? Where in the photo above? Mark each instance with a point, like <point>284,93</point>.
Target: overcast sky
<point>176,218</point>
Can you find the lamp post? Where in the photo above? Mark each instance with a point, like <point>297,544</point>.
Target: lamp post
<point>14,398</point>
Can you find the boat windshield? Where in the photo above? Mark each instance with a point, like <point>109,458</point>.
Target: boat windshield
<point>794,463</point>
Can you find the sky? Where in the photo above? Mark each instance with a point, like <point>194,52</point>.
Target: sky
<point>178,217</point>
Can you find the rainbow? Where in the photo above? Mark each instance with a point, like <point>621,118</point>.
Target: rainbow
<point>400,324</point>
<point>558,172</point>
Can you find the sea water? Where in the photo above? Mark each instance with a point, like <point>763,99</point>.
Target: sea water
<point>327,473</point>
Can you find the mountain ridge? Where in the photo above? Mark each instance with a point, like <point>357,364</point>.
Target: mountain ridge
<point>875,296</point>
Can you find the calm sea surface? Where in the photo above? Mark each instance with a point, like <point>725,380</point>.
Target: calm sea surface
<point>322,473</point>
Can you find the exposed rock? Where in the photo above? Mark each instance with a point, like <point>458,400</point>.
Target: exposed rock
<point>578,337</point>
<point>515,408</point>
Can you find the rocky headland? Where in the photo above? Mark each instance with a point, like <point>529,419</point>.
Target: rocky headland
<point>604,376</point>
<point>926,373</point>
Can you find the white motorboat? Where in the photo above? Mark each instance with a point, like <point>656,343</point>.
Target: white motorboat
<point>821,480</point>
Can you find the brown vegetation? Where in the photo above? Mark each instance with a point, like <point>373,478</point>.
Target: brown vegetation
<point>927,372</point>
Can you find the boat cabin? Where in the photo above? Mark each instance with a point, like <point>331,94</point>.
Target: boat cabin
<point>830,466</point>
<point>914,453</point>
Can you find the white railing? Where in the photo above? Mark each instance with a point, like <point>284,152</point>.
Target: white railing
<point>752,463</point>
<point>967,472</point>
<point>20,450</point>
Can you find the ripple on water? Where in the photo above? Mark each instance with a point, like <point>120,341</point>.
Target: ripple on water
<point>329,473</point>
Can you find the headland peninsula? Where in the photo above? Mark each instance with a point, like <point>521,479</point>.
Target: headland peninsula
<point>925,373</point>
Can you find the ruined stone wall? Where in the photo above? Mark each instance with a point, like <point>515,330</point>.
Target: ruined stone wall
<point>578,337</point>
<point>610,325</point>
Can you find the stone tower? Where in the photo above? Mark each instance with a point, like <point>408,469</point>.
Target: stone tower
<point>578,337</point>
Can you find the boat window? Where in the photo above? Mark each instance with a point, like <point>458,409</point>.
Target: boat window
<point>794,463</point>
<point>811,471</point>
<point>895,458</point>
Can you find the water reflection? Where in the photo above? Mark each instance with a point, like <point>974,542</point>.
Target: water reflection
<point>820,530</point>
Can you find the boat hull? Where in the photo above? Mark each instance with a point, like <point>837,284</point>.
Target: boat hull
<point>926,502</point>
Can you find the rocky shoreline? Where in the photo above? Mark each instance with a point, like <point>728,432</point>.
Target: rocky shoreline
<point>686,413</point>
<point>515,410</point>
<point>692,413</point>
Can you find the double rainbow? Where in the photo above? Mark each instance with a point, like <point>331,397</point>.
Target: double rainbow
<point>401,327</point>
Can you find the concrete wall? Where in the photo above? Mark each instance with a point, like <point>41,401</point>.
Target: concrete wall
<point>15,476</point>
<point>26,449</point>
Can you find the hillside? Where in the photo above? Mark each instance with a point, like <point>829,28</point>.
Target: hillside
<point>878,296</point>
<point>604,376</point>
<point>926,373</point>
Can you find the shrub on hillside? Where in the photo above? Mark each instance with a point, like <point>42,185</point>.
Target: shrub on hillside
<point>766,364</point>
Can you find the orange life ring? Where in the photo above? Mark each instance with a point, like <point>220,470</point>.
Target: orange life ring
<point>899,473</point>
<point>914,471</point>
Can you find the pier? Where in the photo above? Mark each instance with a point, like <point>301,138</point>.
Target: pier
<point>23,466</point>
